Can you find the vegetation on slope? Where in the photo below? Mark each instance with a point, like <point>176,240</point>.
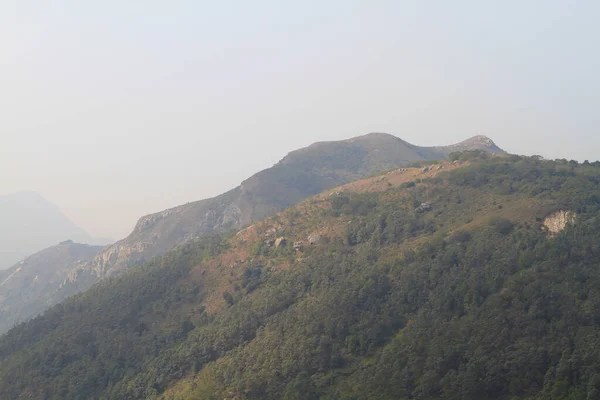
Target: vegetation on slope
<point>42,278</point>
<point>300,174</point>
<point>442,286</point>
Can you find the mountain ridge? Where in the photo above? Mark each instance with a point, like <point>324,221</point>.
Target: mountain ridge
<point>240,206</point>
<point>298,175</point>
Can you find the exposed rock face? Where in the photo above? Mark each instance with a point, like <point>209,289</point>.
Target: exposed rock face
<point>314,238</point>
<point>424,207</point>
<point>118,254</point>
<point>147,222</point>
<point>280,242</point>
<point>157,233</point>
<point>558,221</point>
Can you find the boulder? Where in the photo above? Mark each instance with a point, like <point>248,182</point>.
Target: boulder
<point>280,242</point>
<point>314,238</point>
<point>423,207</point>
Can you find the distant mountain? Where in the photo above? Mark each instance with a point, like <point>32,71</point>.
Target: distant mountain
<point>302,173</point>
<point>29,223</point>
<point>41,280</point>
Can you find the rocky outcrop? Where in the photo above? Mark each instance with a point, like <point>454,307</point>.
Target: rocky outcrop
<point>147,222</point>
<point>155,234</point>
<point>314,238</point>
<point>424,207</point>
<point>479,142</point>
<point>558,221</point>
<point>121,253</point>
<point>280,242</point>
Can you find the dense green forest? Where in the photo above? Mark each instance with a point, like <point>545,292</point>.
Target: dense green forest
<point>446,287</point>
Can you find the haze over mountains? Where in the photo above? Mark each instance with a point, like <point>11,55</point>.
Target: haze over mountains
<point>300,174</point>
<point>271,241</point>
<point>30,223</point>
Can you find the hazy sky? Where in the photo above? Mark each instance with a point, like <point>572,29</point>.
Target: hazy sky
<point>115,109</point>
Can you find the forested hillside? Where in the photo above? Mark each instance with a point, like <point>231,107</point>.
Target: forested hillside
<point>472,279</point>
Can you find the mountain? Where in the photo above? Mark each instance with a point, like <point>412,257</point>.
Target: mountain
<point>478,142</point>
<point>30,223</point>
<point>302,173</point>
<point>472,279</point>
<point>37,282</point>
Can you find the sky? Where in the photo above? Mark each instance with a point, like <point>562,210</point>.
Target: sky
<point>113,110</point>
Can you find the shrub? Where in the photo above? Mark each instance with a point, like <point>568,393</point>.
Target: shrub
<point>502,226</point>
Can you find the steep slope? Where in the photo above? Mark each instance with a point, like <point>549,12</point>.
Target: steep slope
<point>300,174</point>
<point>40,280</point>
<point>29,224</point>
<point>474,280</point>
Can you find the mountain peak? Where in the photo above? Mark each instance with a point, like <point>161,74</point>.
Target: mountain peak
<point>481,140</point>
<point>28,196</point>
<point>373,135</point>
<point>377,139</point>
<point>31,223</point>
<point>478,142</point>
